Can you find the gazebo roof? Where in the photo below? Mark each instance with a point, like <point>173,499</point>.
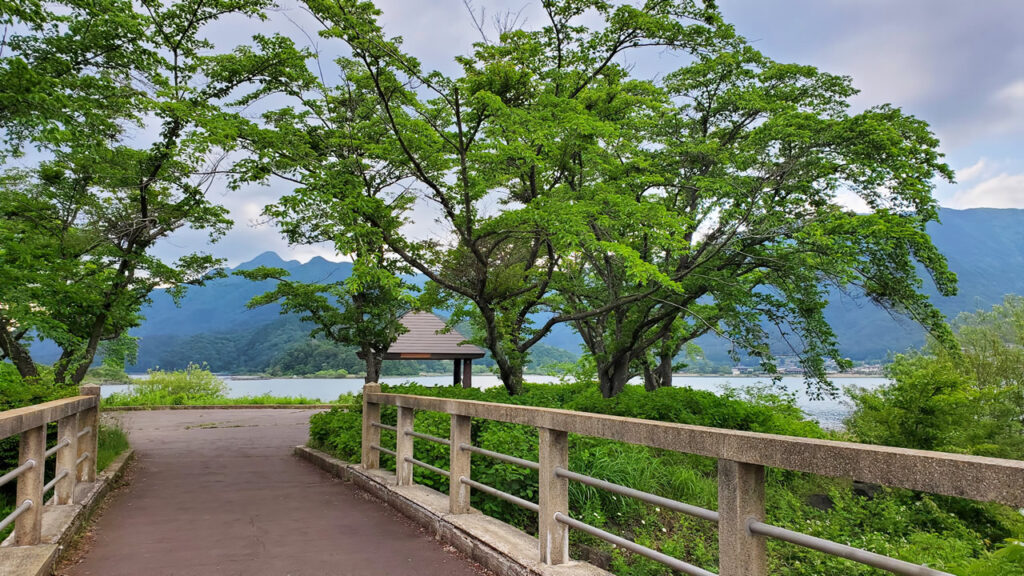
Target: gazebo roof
<point>425,340</point>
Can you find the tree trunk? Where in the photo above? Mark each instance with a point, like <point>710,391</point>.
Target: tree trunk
<point>511,374</point>
<point>18,354</point>
<point>660,376</point>
<point>613,374</point>
<point>510,370</point>
<point>374,360</point>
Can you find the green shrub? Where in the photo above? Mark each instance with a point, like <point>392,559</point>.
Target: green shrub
<point>191,385</point>
<point>947,533</point>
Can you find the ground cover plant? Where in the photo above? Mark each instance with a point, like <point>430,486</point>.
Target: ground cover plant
<point>193,386</point>
<point>954,535</point>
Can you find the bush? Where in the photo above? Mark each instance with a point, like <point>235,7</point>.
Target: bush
<point>965,402</point>
<point>179,387</point>
<point>946,533</point>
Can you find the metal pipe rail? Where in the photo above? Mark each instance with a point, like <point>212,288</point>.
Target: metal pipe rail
<point>77,421</point>
<point>742,458</point>
<point>383,426</point>
<point>689,510</point>
<point>17,472</point>
<point>57,478</point>
<point>499,494</point>
<point>843,551</point>
<point>63,443</point>
<point>423,436</point>
<point>13,516</point>
<point>379,448</point>
<point>499,456</point>
<point>673,563</point>
<point>433,469</point>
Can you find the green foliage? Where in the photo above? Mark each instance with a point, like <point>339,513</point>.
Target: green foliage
<point>950,534</point>
<point>79,223</point>
<point>107,374</point>
<point>113,442</point>
<point>362,311</point>
<point>643,213</point>
<point>16,392</point>
<point>969,402</point>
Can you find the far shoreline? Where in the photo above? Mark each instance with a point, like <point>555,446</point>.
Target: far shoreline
<point>260,377</point>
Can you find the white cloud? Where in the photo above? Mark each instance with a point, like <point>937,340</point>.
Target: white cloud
<point>1012,94</point>
<point>1001,191</point>
<point>1007,111</point>
<point>972,172</point>
<point>852,201</point>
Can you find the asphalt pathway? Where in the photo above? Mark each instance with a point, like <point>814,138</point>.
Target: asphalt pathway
<point>218,492</point>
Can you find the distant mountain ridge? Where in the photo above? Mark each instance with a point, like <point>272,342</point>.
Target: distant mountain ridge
<point>220,305</point>
<point>984,247</point>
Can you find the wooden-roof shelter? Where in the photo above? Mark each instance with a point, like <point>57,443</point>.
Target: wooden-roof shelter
<point>426,340</point>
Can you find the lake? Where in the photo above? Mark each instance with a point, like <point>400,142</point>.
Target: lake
<point>829,413</point>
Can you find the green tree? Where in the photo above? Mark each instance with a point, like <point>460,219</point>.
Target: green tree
<point>328,148</point>
<point>79,227</point>
<point>363,310</point>
<point>643,213</point>
<point>726,218</point>
<point>966,401</point>
<point>501,135</point>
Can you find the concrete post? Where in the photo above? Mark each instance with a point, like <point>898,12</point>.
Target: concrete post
<point>89,443</point>
<point>467,373</point>
<point>371,434</point>
<point>67,430</point>
<point>404,446</point>
<point>457,373</point>
<point>554,496</point>
<point>740,501</point>
<point>460,462</point>
<point>28,527</point>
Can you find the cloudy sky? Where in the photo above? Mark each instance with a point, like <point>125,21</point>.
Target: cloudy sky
<point>958,65</point>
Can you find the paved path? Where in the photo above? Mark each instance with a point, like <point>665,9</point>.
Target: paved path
<point>218,493</point>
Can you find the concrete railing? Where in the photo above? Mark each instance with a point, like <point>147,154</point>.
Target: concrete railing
<point>742,459</point>
<point>77,419</point>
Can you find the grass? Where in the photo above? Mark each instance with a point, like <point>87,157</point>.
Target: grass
<point>113,442</point>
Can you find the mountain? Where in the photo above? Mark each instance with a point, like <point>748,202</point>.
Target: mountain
<point>220,305</point>
<point>984,247</point>
<point>212,325</point>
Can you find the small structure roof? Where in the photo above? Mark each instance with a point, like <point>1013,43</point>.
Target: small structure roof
<point>425,340</point>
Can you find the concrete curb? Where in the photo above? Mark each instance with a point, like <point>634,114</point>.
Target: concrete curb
<point>226,407</point>
<point>61,524</point>
<point>489,542</point>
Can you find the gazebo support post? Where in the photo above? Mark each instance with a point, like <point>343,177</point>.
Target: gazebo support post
<point>467,372</point>
<point>458,372</point>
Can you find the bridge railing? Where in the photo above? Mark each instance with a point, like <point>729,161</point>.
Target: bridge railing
<point>77,419</point>
<point>742,458</point>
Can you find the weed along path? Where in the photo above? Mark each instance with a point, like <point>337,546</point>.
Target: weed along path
<point>218,493</point>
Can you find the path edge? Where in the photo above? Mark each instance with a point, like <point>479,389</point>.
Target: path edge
<point>497,546</point>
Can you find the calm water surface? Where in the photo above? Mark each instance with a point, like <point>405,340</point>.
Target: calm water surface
<point>829,412</point>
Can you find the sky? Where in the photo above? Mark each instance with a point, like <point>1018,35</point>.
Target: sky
<point>957,65</point>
